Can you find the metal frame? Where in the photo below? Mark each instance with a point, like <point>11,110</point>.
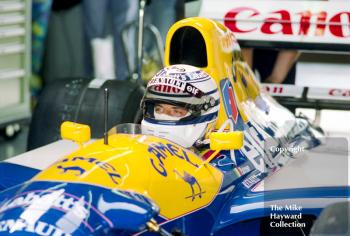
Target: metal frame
<point>21,111</point>
<point>141,27</point>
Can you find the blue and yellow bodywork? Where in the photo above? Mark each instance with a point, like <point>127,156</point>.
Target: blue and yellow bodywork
<point>139,184</point>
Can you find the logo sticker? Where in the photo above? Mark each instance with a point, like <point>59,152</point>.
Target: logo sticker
<point>229,100</point>
<point>78,170</point>
<point>163,151</point>
<point>193,182</point>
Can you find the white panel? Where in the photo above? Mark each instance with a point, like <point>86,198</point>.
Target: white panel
<point>283,90</point>
<point>329,93</point>
<point>45,156</point>
<point>303,21</point>
<point>323,75</point>
<point>11,32</point>
<point>10,92</point>
<point>7,74</point>
<point>11,6</point>
<point>11,19</point>
<point>11,48</point>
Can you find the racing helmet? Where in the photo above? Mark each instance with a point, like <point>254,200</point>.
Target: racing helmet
<point>181,104</point>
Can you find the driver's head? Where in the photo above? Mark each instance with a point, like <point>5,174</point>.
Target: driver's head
<point>164,111</point>
<point>181,104</point>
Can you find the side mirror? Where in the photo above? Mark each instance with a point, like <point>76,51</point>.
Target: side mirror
<point>226,140</point>
<point>76,132</point>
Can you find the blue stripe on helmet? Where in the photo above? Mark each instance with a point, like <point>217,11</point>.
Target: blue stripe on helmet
<point>203,79</point>
<point>200,119</point>
<point>180,95</point>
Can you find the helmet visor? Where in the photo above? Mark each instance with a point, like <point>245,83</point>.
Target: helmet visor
<point>162,110</point>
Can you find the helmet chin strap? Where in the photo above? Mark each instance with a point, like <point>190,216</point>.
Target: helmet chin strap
<point>176,134</point>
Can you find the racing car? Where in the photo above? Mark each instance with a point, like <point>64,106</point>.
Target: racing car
<point>264,171</point>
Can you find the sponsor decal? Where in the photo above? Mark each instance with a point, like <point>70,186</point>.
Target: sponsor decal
<point>176,84</point>
<point>160,152</point>
<point>223,160</point>
<point>339,92</point>
<point>283,90</point>
<point>229,100</point>
<point>252,180</point>
<point>243,169</point>
<point>72,169</point>
<point>229,42</point>
<point>183,75</point>
<point>166,89</point>
<point>329,93</point>
<point>274,89</point>
<point>67,167</point>
<point>62,202</point>
<point>253,149</point>
<point>36,204</point>
<point>39,228</point>
<point>192,182</point>
<point>267,152</point>
<point>170,81</point>
<point>254,133</point>
<point>282,21</point>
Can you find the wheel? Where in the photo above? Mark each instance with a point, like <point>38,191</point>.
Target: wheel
<point>73,100</point>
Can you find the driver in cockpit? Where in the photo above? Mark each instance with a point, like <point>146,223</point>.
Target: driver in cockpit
<point>181,104</point>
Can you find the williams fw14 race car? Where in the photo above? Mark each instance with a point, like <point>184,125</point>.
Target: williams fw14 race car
<point>261,171</point>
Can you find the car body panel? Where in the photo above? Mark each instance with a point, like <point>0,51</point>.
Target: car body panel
<point>157,168</point>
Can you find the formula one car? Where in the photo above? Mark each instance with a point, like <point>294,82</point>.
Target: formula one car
<point>265,171</point>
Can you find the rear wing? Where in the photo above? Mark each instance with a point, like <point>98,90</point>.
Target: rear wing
<point>290,24</point>
<point>309,97</point>
<point>323,25</point>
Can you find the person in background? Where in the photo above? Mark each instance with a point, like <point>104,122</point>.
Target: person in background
<point>40,17</point>
<point>162,14</point>
<point>273,66</point>
<point>105,20</point>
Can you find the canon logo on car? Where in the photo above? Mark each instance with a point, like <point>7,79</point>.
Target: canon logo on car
<point>273,89</point>
<point>249,19</point>
<point>283,90</point>
<point>339,92</point>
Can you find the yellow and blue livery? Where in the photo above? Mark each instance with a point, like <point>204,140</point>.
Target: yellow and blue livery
<point>138,184</point>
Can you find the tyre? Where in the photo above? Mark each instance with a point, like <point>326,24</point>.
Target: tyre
<point>74,100</point>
